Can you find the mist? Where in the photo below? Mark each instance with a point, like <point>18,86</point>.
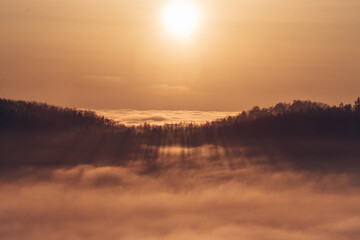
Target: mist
<point>284,172</point>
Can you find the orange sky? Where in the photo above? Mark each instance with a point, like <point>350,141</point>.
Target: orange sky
<point>116,53</point>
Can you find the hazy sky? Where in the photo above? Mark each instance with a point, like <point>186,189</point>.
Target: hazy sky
<point>117,54</point>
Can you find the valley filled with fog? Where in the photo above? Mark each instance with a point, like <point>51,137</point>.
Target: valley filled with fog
<point>287,172</point>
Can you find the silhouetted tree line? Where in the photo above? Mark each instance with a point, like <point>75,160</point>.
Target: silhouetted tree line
<point>34,134</point>
<point>298,118</point>
<point>24,115</point>
<point>301,118</point>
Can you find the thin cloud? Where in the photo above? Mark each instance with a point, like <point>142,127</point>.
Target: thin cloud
<point>166,89</point>
<point>114,79</point>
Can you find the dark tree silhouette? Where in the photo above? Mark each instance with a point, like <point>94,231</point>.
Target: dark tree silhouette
<point>36,134</point>
<point>357,104</point>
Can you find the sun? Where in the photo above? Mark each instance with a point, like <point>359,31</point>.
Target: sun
<point>181,18</point>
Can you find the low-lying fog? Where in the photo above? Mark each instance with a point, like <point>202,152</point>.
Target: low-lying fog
<point>187,193</point>
<point>287,172</point>
<point>159,117</point>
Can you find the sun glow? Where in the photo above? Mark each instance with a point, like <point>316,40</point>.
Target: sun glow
<point>181,18</point>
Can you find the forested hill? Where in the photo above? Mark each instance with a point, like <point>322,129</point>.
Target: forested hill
<point>299,118</point>
<point>305,133</point>
<point>23,115</point>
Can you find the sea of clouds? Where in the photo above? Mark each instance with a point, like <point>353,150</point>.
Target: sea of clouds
<point>189,193</point>
<point>159,117</point>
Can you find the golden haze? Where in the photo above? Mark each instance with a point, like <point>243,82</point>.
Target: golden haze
<point>245,53</point>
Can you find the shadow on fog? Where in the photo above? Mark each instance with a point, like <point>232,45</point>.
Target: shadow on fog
<point>287,172</point>
<point>303,136</point>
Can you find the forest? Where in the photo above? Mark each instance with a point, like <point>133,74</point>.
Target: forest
<point>311,135</point>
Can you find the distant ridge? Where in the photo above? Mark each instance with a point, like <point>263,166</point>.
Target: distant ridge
<point>304,134</point>
<point>33,116</point>
<point>297,118</point>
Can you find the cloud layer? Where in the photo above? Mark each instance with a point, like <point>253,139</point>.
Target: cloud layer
<point>216,202</point>
<point>159,117</point>
<point>183,193</point>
